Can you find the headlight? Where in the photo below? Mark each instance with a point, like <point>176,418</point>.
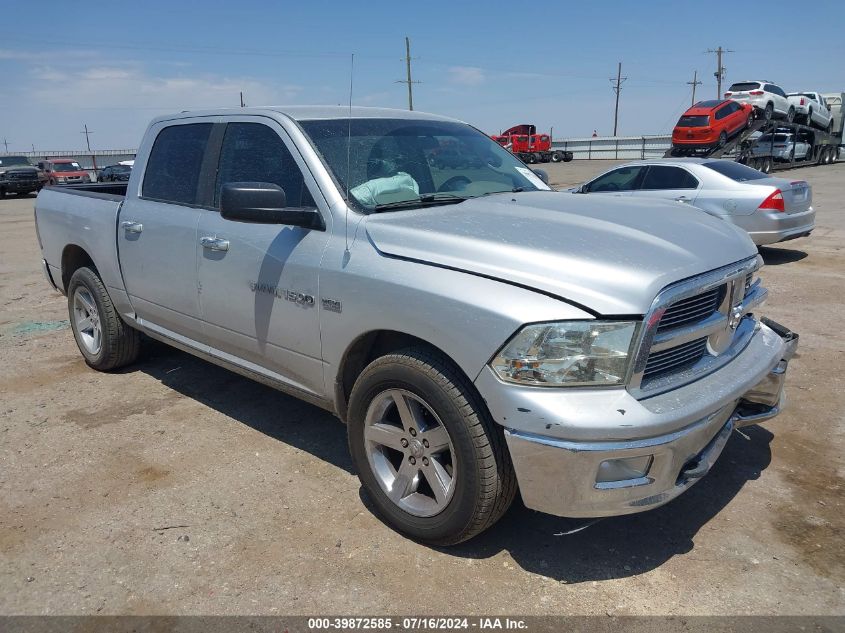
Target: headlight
<point>61,179</point>
<point>567,353</point>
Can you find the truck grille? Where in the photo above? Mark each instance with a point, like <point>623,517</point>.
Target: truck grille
<point>675,358</point>
<point>692,309</point>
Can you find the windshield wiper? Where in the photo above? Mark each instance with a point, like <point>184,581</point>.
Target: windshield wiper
<point>425,200</point>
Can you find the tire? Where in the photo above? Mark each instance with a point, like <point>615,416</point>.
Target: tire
<point>790,114</point>
<point>568,156</point>
<point>111,343</point>
<point>723,139</point>
<point>482,482</point>
<point>768,111</point>
<point>766,167</point>
<point>809,119</point>
<point>557,157</point>
<point>2,193</point>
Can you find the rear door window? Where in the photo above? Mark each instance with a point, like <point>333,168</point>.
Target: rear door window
<point>622,179</point>
<point>667,177</point>
<point>173,168</point>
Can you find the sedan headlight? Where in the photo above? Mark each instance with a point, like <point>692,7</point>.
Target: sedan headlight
<point>567,353</point>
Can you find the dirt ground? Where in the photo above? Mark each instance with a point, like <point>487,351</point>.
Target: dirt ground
<point>176,487</point>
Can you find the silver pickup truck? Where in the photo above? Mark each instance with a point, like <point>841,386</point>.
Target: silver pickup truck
<point>478,333</point>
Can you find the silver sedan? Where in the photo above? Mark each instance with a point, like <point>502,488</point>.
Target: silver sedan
<point>770,209</point>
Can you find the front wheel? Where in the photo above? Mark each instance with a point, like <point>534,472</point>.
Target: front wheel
<point>557,157</point>
<point>723,139</point>
<point>106,342</point>
<point>768,112</point>
<point>430,458</point>
<point>790,114</point>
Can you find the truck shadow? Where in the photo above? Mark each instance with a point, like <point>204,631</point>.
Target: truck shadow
<point>619,547</point>
<point>615,547</point>
<point>271,412</point>
<point>774,256</point>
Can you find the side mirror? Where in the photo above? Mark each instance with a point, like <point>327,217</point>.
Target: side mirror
<point>542,175</point>
<point>263,203</point>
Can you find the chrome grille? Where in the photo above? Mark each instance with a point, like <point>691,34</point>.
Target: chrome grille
<point>695,327</point>
<point>675,358</point>
<point>692,309</point>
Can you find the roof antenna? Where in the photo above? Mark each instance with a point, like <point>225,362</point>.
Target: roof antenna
<point>348,155</point>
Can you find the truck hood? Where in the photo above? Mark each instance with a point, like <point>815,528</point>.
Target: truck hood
<point>609,254</point>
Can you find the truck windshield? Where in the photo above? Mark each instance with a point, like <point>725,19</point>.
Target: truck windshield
<point>393,163</point>
<point>5,161</point>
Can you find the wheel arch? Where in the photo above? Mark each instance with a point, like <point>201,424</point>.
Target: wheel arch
<point>74,257</point>
<point>365,349</point>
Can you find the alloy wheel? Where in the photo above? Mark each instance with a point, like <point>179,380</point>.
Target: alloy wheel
<point>410,452</point>
<point>87,320</point>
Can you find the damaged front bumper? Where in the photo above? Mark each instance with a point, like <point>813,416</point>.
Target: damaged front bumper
<point>602,453</point>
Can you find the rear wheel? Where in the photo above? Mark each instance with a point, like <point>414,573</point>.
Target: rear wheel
<point>568,156</point>
<point>723,139</point>
<point>766,168</point>
<point>790,114</point>
<point>768,111</point>
<point>104,339</point>
<point>809,118</point>
<point>557,157</point>
<point>430,458</point>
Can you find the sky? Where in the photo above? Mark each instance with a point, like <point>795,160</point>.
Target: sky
<point>114,66</point>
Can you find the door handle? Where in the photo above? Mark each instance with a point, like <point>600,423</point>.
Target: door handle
<point>214,243</point>
<point>681,199</point>
<point>132,227</point>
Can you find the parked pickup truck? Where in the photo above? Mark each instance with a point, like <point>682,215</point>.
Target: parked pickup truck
<point>478,333</point>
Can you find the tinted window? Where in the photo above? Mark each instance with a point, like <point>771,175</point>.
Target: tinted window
<point>173,168</point>
<point>735,171</point>
<point>721,113</point>
<point>733,107</point>
<point>622,179</point>
<point>774,90</point>
<point>665,177</point>
<point>708,104</point>
<point>744,86</point>
<point>694,121</point>
<point>253,152</point>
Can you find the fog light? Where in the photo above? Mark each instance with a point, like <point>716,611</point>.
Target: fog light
<point>623,470</point>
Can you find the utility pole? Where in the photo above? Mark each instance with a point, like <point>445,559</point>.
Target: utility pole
<point>720,69</point>
<point>694,83</point>
<point>242,99</point>
<point>408,80</point>
<point>86,132</point>
<point>6,144</point>
<point>617,88</point>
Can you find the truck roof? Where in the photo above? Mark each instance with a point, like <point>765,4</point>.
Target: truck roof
<point>310,113</point>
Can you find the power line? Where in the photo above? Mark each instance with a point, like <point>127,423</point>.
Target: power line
<point>617,88</point>
<point>720,68</point>
<point>408,79</point>
<point>694,83</point>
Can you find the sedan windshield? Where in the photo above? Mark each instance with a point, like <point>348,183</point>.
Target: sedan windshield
<point>406,163</point>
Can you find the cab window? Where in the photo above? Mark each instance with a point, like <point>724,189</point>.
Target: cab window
<point>173,168</point>
<point>253,152</point>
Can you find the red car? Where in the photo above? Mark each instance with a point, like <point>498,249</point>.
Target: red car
<point>64,171</point>
<point>710,124</point>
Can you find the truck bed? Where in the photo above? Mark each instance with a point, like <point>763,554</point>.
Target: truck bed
<point>75,218</point>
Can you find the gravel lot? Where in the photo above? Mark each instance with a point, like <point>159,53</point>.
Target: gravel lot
<point>176,487</point>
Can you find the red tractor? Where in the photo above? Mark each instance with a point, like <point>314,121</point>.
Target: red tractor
<point>529,146</point>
